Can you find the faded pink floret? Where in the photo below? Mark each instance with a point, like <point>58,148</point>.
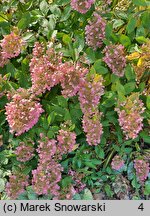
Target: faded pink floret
<point>92,127</point>
<point>25,151</point>
<point>66,193</point>
<point>95,31</point>
<point>115,58</point>
<point>46,178</point>
<point>66,141</point>
<point>71,77</point>
<point>3,60</point>
<point>142,169</point>
<point>117,163</point>
<point>82,6</point>
<point>45,69</point>
<point>23,112</point>
<point>46,149</point>
<point>90,91</point>
<point>130,118</point>
<point>12,45</point>
<point>77,179</point>
<point>16,185</point>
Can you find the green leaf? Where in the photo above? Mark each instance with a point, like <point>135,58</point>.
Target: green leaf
<point>141,39</point>
<point>118,23</point>
<point>129,72</point>
<point>25,21</point>
<point>148,102</point>
<point>131,25</point>
<point>140,2</point>
<point>129,87</point>
<point>87,195</point>
<point>147,188</point>
<point>2,185</point>
<point>66,39</point>
<point>125,40</point>
<point>44,7</point>
<point>99,68</point>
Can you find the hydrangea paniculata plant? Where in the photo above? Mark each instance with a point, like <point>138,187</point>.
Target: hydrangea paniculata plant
<point>23,112</point>
<point>95,31</point>
<point>117,163</point>
<point>130,118</point>
<point>115,58</point>
<point>142,169</point>
<point>82,6</point>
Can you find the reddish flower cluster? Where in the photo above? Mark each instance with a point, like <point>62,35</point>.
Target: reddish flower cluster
<point>142,169</point>
<point>82,6</point>
<point>16,185</point>
<point>66,193</point>
<point>66,141</point>
<point>71,77</point>
<point>95,32</point>
<point>48,173</point>
<point>44,68</point>
<point>115,58</point>
<point>77,178</point>
<point>22,112</point>
<point>11,46</point>
<point>25,151</point>
<point>117,163</point>
<point>91,89</point>
<point>130,118</point>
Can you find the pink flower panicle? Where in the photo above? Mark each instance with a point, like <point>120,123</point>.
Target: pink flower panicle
<point>95,32</point>
<point>115,58</point>
<point>130,118</point>
<point>45,69</point>
<point>142,169</point>
<point>25,151</point>
<point>46,178</point>
<point>48,173</point>
<point>46,149</point>
<point>82,6</point>
<point>77,178</point>
<point>70,79</point>
<point>22,112</point>
<point>3,60</point>
<point>16,185</point>
<point>90,91</point>
<point>92,127</point>
<point>12,45</point>
<point>66,193</point>
<point>117,163</point>
<point>66,141</point>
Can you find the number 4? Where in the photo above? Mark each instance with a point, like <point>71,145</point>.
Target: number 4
<point>141,207</point>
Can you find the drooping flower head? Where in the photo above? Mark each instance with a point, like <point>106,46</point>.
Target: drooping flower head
<point>71,78</point>
<point>16,185</point>
<point>117,162</point>
<point>82,6</point>
<point>12,45</point>
<point>44,68</point>
<point>115,59</point>
<point>95,31</point>
<point>23,112</point>
<point>25,151</point>
<point>142,169</point>
<point>92,127</point>
<point>130,118</point>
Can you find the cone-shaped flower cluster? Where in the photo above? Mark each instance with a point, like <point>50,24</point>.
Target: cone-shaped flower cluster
<point>48,173</point>
<point>91,89</point>
<point>142,169</point>
<point>130,118</point>
<point>95,31</point>
<point>22,112</point>
<point>44,68</point>
<point>115,59</point>
<point>117,162</point>
<point>71,77</point>
<point>66,141</point>
<point>11,45</point>
<point>16,185</point>
<point>25,151</point>
<point>77,179</point>
<point>82,6</point>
